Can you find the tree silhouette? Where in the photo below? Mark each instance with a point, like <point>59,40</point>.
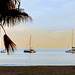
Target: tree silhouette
<point>10,13</point>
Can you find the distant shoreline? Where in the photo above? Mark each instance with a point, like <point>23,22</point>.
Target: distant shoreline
<point>37,70</point>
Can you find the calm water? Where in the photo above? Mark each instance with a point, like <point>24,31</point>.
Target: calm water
<point>41,57</point>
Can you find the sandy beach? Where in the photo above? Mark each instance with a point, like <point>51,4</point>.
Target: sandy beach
<point>37,70</point>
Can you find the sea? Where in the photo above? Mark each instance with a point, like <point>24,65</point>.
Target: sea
<point>42,57</point>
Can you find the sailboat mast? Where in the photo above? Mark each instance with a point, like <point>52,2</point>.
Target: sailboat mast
<point>72,38</point>
<point>30,42</point>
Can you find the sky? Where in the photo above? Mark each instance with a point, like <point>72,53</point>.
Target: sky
<point>53,21</point>
<point>51,15</point>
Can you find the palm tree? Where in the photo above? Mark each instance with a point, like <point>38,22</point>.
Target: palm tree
<point>10,13</point>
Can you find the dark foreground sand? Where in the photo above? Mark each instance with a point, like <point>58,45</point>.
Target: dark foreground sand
<point>37,70</point>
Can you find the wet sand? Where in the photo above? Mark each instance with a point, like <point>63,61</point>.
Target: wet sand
<point>37,70</point>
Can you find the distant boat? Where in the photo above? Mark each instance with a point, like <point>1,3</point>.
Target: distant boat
<point>3,51</point>
<point>30,50</point>
<point>72,50</point>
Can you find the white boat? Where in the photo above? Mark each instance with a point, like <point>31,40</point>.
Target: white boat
<point>30,50</point>
<point>72,50</point>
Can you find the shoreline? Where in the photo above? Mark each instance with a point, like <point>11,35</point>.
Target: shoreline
<point>37,70</point>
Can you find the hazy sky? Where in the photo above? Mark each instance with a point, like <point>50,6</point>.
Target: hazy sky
<point>53,21</point>
<point>41,39</point>
<point>51,15</point>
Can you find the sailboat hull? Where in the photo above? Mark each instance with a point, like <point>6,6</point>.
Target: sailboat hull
<point>29,51</point>
<point>70,51</point>
<point>3,51</point>
<point>26,51</point>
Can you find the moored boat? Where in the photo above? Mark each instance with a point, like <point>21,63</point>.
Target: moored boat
<point>30,50</point>
<point>3,51</point>
<point>72,50</point>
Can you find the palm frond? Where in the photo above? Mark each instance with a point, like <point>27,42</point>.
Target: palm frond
<point>10,15</point>
<point>9,44</point>
<point>18,16</point>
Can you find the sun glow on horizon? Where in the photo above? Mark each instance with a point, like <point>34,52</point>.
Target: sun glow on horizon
<point>41,39</point>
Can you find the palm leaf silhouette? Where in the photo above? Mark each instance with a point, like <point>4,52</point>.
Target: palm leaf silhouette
<point>10,13</point>
<point>9,44</point>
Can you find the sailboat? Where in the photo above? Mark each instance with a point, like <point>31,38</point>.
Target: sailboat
<point>72,50</point>
<point>30,50</point>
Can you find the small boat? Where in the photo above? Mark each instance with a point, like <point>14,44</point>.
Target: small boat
<point>72,50</point>
<point>3,51</point>
<point>30,50</point>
